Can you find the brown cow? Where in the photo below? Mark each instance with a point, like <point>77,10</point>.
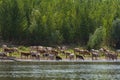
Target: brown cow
<point>35,55</point>
<point>95,54</point>
<point>71,56</point>
<point>9,50</point>
<point>25,54</point>
<point>67,53</point>
<point>109,55</point>
<point>79,57</point>
<point>83,52</point>
<point>2,55</point>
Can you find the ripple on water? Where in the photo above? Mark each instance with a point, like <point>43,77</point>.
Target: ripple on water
<point>77,71</point>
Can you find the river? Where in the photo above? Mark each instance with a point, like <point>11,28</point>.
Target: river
<point>12,70</point>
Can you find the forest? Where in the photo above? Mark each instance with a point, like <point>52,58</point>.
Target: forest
<point>89,23</point>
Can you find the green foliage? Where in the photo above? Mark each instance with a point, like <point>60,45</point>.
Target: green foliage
<point>57,21</point>
<point>56,37</point>
<point>12,20</point>
<point>96,39</point>
<point>115,34</point>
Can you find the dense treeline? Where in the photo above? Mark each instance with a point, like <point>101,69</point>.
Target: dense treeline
<point>90,23</point>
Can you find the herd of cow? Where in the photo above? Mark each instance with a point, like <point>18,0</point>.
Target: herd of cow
<point>59,53</point>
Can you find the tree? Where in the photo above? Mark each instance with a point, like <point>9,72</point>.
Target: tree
<point>57,21</point>
<point>96,39</point>
<point>12,20</point>
<point>115,34</point>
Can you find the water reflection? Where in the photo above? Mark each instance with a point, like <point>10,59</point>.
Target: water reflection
<point>58,71</point>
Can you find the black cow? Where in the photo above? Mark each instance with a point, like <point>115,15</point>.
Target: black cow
<point>58,58</point>
<point>79,57</point>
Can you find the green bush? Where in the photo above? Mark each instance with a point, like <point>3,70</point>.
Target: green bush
<point>96,39</point>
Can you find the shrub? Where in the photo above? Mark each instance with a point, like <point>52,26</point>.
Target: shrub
<point>96,39</point>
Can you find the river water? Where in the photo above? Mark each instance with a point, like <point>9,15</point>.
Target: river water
<point>59,70</point>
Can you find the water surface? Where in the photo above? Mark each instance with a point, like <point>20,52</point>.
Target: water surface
<point>59,70</point>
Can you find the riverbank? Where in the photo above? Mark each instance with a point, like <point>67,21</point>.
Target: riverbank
<point>65,60</point>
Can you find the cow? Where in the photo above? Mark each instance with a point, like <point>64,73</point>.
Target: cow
<point>25,54</point>
<point>95,54</point>
<point>109,55</point>
<point>58,58</point>
<point>79,57</point>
